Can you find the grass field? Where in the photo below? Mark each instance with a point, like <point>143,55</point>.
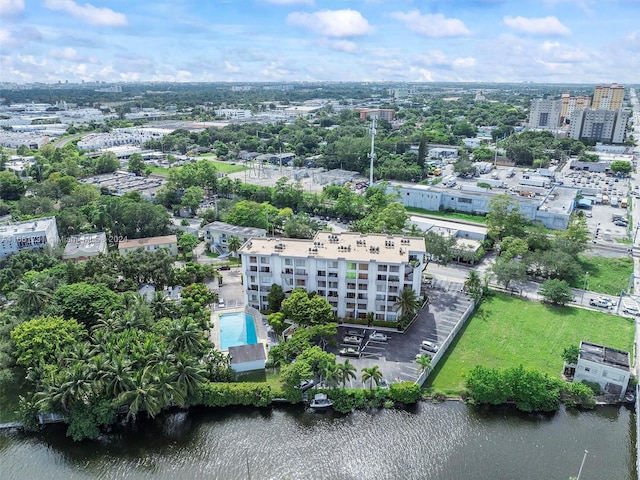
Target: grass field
<point>606,275</point>
<point>507,331</point>
<point>224,167</point>
<point>467,217</point>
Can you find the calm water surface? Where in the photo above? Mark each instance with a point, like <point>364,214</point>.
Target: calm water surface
<point>446,441</point>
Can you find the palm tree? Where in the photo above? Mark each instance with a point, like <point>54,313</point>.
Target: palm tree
<point>473,285</point>
<point>425,363</point>
<point>331,375</point>
<point>186,336</point>
<point>233,244</point>
<point>169,391</point>
<point>76,386</point>
<point>407,304</point>
<point>371,375</point>
<point>144,396</point>
<point>346,372</point>
<point>117,377</point>
<point>32,296</point>
<point>187,375</point>
<point>162,306</point>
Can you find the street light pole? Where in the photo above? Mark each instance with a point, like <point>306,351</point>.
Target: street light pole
<point>582,465</point>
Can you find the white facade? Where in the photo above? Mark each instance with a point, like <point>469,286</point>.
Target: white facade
<point>545,113</point>
<point>30,235</point>
<point>602,125</point>
<point>356,273</point>
<point>605,366</point>
<point>217,235</point>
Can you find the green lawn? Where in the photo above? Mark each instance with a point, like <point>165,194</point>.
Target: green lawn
<point>224,167</point>
<point>606,275</point>
<point>507,331</point>
<point>451,215</point>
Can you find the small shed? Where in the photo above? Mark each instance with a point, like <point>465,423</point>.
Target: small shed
<point>245,358</point>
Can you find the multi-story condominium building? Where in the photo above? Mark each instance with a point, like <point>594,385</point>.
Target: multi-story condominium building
<point>601,125</point>
<point>545,113</point>
<point>217,235</point>
<point>571,104</point>
<point>356,273</point>
<point>608,97</point>
<point>29,235</point>
<point>605,366</point>
<point>150,244</point>
<point>383,113</point>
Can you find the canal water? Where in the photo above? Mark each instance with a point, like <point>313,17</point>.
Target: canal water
<point>445,441</point>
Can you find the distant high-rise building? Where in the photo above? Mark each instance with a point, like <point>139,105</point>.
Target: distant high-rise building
<point>602,125</point>
<point>570,104</point>
<point>608,97</point>
<point>383,113</point>
<point>545,113</point>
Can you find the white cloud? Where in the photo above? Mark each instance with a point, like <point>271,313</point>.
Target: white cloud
<point>464,62</point>
<point>433,58</point>
<point>421,74</point>
<point>67,53</point>
<point>557,52</point>
<point>537,26</point>
<point>88,13</point>
<point>435,25</point>
<point>9,8</point>
<point>230,68</point>
<point>634,36</point>
<point>311,3</point>
<point>332,23</point>
<point>346,46</point>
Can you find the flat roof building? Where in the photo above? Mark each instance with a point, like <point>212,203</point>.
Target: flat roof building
<point>84,247</point>
<point>608,97</point>
<point>605,366</point>
<point>28,235</point>
<point>356,273</point>
<point>217,235</point>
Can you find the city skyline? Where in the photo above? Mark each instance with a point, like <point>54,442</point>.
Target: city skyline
<point>551,41</point>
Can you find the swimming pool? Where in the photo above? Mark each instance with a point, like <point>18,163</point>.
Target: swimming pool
<point>237,328</point>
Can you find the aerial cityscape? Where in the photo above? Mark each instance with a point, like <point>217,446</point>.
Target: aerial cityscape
<point>319,239</point>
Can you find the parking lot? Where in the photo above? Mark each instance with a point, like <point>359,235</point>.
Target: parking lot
<point>396,356</point>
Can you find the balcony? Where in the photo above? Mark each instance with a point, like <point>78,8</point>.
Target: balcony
<point>253,269</point>
<point>287,271</point>
<point>265,270</point>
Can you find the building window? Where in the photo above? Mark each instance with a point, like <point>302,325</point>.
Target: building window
<point>363,266</point>
<point>300,263</point>
<point>363,276</point>
<point>333,264</point>
<point>264,260</point>
<point>382,268</point>
<point>322,283</point>
<point>253,259</point>
<point>322,273</point>
<point>394,268</point>
<point>464,200</point>
<point>351,266</point>
<point>287,261</point>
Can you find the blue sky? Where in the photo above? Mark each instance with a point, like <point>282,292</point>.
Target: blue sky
<point>567,41</point>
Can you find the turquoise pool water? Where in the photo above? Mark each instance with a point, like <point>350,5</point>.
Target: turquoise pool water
<point>237,329</point>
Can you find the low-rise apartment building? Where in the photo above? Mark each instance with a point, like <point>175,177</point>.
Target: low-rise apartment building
<point>29,235</point>
<point>356,273</point>
<point>217,235</point>
<point>150,244</point>
<point>84,247</point>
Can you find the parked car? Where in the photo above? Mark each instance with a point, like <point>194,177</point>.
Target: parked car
<point>224,267</point>
<point>631,310</point>
<point>349,352</point>
<point>378,337</point>
<point>352,340</point>
<point>620,223</point>
<point>600,302</point>
<point>220,303</point>
<point>355,333</point>
<point>429,346</point>
<point>383,383</point>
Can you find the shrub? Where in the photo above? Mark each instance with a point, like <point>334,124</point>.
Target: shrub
<point>579,394</point>
<point>224,394</point>
<point>404,392</point>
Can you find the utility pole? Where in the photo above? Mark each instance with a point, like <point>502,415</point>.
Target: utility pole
<point>372,155</point>
<point>582,465</point>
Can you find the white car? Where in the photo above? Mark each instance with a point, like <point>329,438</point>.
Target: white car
<point>429,346</point>
<point>631,310</point>
<point>378,337</point>
<point>220,303</point>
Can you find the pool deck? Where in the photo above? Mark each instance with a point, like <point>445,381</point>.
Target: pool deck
<point>214,333</point>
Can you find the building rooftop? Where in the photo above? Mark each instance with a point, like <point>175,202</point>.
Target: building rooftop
<point>560,200</point>
<point>27,226</point>
<point>604,355</point>
<point>143,242</point>
<point>235,229</point>
<point>450,226</point>
<point>90,243</point>
<point>351,246</point>
<point>247,353</point>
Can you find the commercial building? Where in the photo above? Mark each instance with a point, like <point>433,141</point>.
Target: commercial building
<point>356,273</point>
<point>217,235</point>
<point>605,366</point>
<point>571,104</point>
<point>29,235</point>
<point>549,207</point>
<point>84,247</point>
<point>608,97</point>
<point>600,125</point>
<point>545,114</point>
<point>150,244</point>
<point>383,113</point>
